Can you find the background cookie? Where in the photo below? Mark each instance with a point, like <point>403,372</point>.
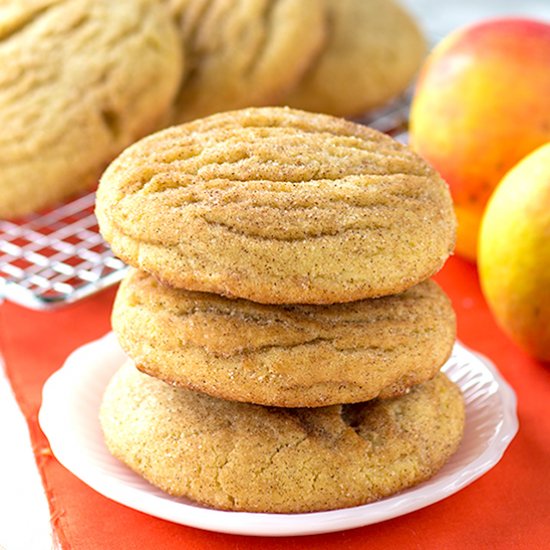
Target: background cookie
<point>79,81</point>
<point>246,457</point>
<point>372,51</point>
<point>289,356</point>
<point>244,52</point>
<point>277,206</point>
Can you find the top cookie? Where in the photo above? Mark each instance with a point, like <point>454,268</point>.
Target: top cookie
<point>244,52</point>
<point>277,206</point>
<point>79,81</point>
<point>372,51</point>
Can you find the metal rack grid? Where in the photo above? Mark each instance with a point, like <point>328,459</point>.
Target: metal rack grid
<point>59,257</point>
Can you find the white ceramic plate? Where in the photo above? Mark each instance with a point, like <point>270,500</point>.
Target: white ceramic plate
<point>69,418</point>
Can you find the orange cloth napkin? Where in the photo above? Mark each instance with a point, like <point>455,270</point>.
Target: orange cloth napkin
<point>506,508</point>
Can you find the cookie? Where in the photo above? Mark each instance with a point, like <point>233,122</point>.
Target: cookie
<point>372,51</point>
<point>277,206</point>
<point>80,80</point>
<point>237,456</point>
<point>288,356</point>
<point>244,52</point>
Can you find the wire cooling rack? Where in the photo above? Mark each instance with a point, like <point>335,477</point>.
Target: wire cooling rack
<point>59,257</point>
<point>392,119</point>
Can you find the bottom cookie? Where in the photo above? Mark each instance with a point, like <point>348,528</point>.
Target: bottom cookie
<point>238,456</point>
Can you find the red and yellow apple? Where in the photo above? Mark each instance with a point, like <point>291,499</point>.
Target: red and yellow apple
<point>482,103</point>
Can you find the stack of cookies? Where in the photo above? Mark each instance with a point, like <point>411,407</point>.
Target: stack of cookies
<point>287,339</point>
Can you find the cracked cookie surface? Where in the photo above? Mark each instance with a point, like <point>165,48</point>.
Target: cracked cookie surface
<point>238,456</point>
<point>79,81</point>
<point>243,52</point>
<point>276,205</point>
<point>371,53</point>
<point>288,356</point>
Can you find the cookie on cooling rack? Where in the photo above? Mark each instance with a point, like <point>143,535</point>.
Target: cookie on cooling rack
<point>79,81</point>
<point>372,51</point>
<point>287,356</point>
<point>244,53</point>
<point>277,206</point>
<point>238,456</point>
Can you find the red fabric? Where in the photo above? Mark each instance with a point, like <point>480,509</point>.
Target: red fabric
<point>507,508</point>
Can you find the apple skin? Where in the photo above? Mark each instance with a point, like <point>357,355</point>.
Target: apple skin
<point>514,253</point>
<point>482,103</point>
